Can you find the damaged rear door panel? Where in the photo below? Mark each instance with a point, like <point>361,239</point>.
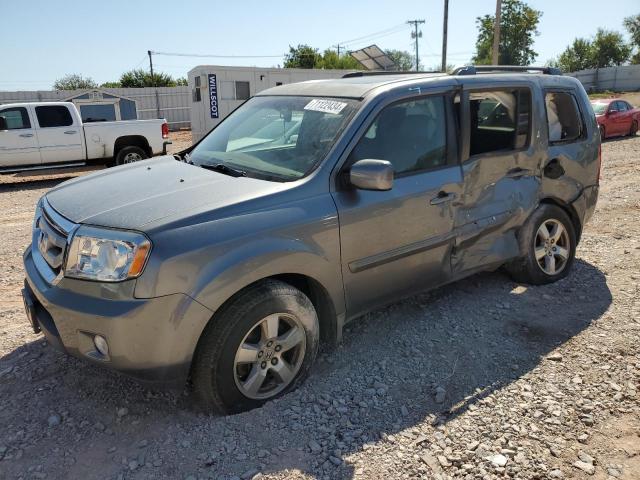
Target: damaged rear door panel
<point>501,156</point>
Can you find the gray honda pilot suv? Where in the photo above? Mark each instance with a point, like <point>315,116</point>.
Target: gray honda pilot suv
<point>308,206</point>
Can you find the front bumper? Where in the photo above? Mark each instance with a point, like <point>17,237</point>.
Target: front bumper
<point>149,339</point>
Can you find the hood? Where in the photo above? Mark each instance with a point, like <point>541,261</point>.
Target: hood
<point>139,194</point>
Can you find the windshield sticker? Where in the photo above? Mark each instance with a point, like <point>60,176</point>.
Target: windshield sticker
<point>325,106</point>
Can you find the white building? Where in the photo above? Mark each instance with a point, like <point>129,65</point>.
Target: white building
<point>216,90</point>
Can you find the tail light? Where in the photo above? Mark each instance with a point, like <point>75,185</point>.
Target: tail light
<point>165,130</point>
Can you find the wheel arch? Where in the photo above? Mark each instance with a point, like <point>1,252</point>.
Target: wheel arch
<point>132,141</point>
<point>569,210</point>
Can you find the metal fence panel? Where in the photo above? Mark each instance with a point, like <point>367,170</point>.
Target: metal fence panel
<point>624,78</point>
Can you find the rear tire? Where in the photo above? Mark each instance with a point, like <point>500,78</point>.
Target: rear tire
<point>548,241</point>
<point>260,346</point>
<point>130,154</point>
<point>603,133</point>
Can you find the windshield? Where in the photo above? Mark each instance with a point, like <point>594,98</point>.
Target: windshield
<point>276,138</point>
<point>599,108</point>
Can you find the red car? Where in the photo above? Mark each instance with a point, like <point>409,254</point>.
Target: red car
<point>616,117</point>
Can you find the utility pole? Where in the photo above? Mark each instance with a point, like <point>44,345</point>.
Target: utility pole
<point>153,82</point>
<point>337,47</point>
<point>495,55</point>
<point>444,35</point>
<point>416,34</point>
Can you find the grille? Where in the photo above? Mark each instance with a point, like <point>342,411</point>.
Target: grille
<point>51,239</point>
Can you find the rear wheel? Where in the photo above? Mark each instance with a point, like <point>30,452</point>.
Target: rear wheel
<point>548,241</point>
<point>602,133</point>
<point>260,346</point>
<point>130,155</point>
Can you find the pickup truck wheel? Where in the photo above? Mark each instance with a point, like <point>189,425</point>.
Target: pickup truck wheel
<point>549,240</point>
<point>258,347</point>
<point>130,155</point>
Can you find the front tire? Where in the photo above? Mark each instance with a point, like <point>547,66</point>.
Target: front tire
<point>548,241</point>
<point>130,154</point>
<point>603,133</point>
<point>260,346</point>
<point>634,128</point>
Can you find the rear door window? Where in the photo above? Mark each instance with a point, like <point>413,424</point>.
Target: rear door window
<point>53,116</point>
<point>563,117</point>
<point>499,120</point>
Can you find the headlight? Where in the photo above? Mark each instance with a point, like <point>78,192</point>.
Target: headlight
<point>106,255</point>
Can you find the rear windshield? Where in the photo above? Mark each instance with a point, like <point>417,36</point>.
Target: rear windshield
<point>276,138</point>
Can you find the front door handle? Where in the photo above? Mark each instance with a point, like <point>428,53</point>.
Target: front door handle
<point>518,172</point>
<point>70,132</point>
<point>442,197</point>
<point>26,135</point>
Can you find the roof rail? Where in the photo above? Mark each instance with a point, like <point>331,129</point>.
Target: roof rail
<point>475,69</point>
<point>372,73</point>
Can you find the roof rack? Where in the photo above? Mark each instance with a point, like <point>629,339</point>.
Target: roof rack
<point>475,69</point>
<point>373,73</point>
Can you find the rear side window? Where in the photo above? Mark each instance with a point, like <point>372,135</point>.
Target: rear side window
<point>16,118</point>
<point>53,116</point>
<point>563,117</point>
<point>411,135</point>
<point>499,120</point>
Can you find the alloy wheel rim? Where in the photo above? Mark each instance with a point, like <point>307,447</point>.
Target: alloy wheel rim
<point>132,157</point>
<point>552,247</point>
<point>269,356</point>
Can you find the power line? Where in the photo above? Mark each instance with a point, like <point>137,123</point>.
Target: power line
<point>208,55</point>
<point>375,35</point>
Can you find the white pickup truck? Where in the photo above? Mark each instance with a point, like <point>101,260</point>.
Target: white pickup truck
<point>52,135</point>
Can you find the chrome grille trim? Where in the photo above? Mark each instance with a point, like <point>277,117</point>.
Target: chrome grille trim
<point>50,242</point>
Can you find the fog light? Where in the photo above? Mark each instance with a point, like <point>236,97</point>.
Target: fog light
<point>101,345</point>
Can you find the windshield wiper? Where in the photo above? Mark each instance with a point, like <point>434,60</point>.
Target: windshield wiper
<point>222,168</point>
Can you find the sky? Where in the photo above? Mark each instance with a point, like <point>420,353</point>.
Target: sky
<point>41,40</point>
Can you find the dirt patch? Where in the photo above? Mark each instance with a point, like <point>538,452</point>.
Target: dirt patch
<point>484,378</point>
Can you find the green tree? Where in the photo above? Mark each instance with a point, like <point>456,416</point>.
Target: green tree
<point>142,78</point>
<point>577,56</point>
<point>302,56</point>
<point>404,60</point>
<point>74,82</point>
<point>330,59</point>
<point>632,24</point>
<point>518,26</point>
<point>182,82</point>
<point>110,85</point>
<point>609,49</point>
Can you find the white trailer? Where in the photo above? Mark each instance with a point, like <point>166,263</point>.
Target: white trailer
<point>216,90</point>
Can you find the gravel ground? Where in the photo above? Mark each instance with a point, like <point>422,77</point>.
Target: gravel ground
<point>484,378</point>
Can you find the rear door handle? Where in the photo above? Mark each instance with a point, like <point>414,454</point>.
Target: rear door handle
<point>442,197</point>
<point>70,132</point>
<point>26,135</point>
<point>518,172</point>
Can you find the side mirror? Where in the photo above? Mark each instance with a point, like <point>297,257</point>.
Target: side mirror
<point>372,174</point>
<point>613,110</point>
<point>3,124</point>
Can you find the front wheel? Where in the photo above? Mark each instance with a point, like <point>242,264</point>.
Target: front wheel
<point>260,346</point>
<point>634,128</point>
<point>548,242</point>
<point>602,133</point>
